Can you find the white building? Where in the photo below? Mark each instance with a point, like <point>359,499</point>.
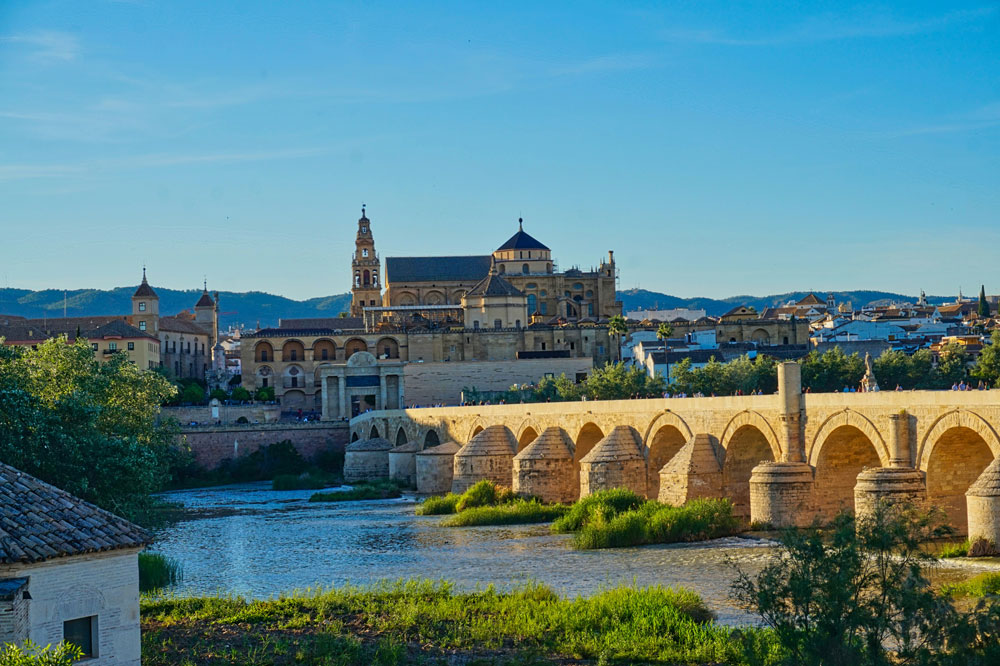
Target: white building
<point>68,572</point>
<point>665,315</point>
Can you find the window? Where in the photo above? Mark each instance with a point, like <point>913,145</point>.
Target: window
<point>364,230</point>
<point>544,308</point>
<point>94,346</point>
<point>497,323</point>
<point>325,354</point>
<point>372,302</point>
<point>517,323</point>
<point>293,355</point>
<point>503,269</point>
<point>142,306</point>
<point>263,355</point>
<point>112,346</point>
<point>364,252</point>
<point>600,349</point>
<point>525,269</point>
<point>532,303</point>
<point>578,286</point>
<point>263,382</point>
<point>80,632</point>
<point>543,293</point>
<point>131,346</point>
<point>142,325</point>
<point>475,324</point>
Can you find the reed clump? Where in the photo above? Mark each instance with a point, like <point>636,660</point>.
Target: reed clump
<point>486,503</point>
<point>157,571</point>
<point>362,491</point>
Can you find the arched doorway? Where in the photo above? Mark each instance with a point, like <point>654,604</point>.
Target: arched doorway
<point>844,453</point>
<point>263,352</point>
<point>353,346</point>
<point>293,350</point>
<point>387,348</point>
<point>664,445</point>
<point>527,437</point>
<point>746,448</point>
<point>324,350</point>
<point>957,459</point>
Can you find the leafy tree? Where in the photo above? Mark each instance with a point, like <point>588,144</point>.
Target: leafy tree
<point>556,389</point>
<point>952,367</point>
<point>218,394</point>
<point>617,327</point>
<point>664,331</point>
<point>987,367</point>
<point>850,594</point>
<point>86,427</point>
<point>265,393</point>
<point>832,370</point>
<point>240,393</point>
<point>615,381</point>
<point>193,393</point>
<point>743,374</point>
<point>983,309</point>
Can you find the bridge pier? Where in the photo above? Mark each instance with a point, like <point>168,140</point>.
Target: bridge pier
<point>983,502</point>
<point>896,485</point>
<point>489,456</point>
<point>615,462</point>
<point>693,473</point>
<point>545,468</point>
<point>435,468</point>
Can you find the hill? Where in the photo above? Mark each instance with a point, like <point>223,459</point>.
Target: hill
<point>253,307</point>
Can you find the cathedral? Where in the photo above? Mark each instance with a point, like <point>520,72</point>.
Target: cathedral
<point>514,286</point>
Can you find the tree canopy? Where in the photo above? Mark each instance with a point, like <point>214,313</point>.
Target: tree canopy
<point>83,426</point>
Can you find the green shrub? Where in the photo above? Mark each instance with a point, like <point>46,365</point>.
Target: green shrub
<point>193,393</point>
<point>606,503</point>
<point>240,393</point>
<point>978,586</point>
<point>218,394</point>
<point>268,462</point>
<point>361,491</point>
<point>484,493</point>
<point>64,654</point>
<point>330,460</point>
<point>265,393</point>
<point>518,512</point>
<point>437,506</point>
<point>157,571</point>
<point>954,550</point>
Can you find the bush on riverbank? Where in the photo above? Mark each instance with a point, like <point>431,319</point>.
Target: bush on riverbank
<point>977,586</point>
<point>518,512</point>
<point>698,520</point>
<point>29,654</point>
<point>157,571</point>
<point>606,503</point>
<point>438,506</point>
<point>362,491</point>
<point>950,550</point>
<point>427,622</point>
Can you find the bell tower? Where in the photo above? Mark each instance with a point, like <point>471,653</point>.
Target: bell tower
<point>366,290</point>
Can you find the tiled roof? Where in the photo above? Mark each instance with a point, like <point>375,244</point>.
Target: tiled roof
<point>181,325</point>
<point>334,323</point>
<point>620,444</point>
<point>373,444</point>
<point>552,444</point>
<point>988,483</point>
<point>439,269</point>
<point>409,447</point>
<point>144,290</point>
<point>205,300</point>
<point>811,299</point>
<point>494,285</point>
<point>447,449</point>
<point>39,522</point>
<point>118,328</point>
<point>522,241</point>
<point>32,330</point>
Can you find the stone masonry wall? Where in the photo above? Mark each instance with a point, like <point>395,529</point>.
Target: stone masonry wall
<point>212,445</point>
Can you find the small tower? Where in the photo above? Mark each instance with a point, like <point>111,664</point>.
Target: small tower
<point>366,290</point>
<point>831,303</point>
<point>205,310</point>
<point>146,308</point>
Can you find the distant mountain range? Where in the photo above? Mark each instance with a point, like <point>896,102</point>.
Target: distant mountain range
<point>256,307</point>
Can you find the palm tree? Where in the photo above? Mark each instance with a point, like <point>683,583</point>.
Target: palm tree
<point>664,331</point>
<point>618,327</point>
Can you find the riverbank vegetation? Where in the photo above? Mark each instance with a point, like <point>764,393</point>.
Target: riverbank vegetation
<point>619,518</point>
<point>371,490</point>
<point>855,593</point>
<point>485,503</point>
<point>978,586</point>
<point>157,571</point>
<point>428,622</point>
<point>280,463</point>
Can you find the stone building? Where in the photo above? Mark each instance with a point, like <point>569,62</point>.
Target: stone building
<point>68,572</point>
<point>108,337</point>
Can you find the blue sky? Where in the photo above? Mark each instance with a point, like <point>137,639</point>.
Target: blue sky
<point>718,148</point>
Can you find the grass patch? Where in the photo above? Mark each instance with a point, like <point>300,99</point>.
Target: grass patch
<point>157,571</point>
<point>362,491</point>
<point>438,506</point>
<point>977,586</point>
<point>949,550</point>
<point>428,622</point>
<point>518,512</point>
<point>619,518</point>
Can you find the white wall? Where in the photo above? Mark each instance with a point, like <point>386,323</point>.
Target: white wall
<point>101,584</point>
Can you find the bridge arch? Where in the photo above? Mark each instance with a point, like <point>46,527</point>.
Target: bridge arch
<point>751,418</point>
<point>431,438</point>
<point>745,447</point>
<point>526,433</point>
<point>665,436</point>
<point>373,433</point>
<point>953,453</point>
<point>845,445</point>
<point>401,437</point>
<point>849,417</point>
<point>477,428</point>
<point>589,435</point>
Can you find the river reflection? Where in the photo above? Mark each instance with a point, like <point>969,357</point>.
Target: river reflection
<point>253,541</point>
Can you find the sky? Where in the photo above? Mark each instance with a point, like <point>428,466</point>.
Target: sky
<point>717,148</point>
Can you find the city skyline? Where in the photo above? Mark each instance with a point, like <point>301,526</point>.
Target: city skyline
<point>717,150</point>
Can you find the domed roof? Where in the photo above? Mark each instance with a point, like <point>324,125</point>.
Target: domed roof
<point>552,444</point>
<point>373,444</point>
<point>409,447</point>
<point>988,483</point>
<point>449,448</point>
<point>522,241</point>
<point>493,441</point>
<point>620,444</point>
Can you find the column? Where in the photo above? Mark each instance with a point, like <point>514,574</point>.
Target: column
<point>899,484</point>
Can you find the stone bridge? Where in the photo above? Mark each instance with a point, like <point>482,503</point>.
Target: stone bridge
<point>783,458</point>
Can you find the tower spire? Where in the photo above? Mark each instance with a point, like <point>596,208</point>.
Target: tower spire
<point>520,224</point>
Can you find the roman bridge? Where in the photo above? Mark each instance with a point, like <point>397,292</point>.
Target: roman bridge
<point>783,458</point>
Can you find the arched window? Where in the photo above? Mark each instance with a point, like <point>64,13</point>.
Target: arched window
<point>525,269</point>
<point>503,269</point>
<point>532,303</point>
<point>367,278</point>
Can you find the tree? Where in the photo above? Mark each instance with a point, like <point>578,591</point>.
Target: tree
<point>86,427</point>
<point>832,370</point>
<point>849,594</point>
<point>983,309</point>
<point>664,331</point>
<point>615,381</point>
<point>987,367</point>
<point>193,393</point>
<point>241,394</point>
<point>617,327</point>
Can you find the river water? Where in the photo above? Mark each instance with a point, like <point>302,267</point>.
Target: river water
<point>252,541</point>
